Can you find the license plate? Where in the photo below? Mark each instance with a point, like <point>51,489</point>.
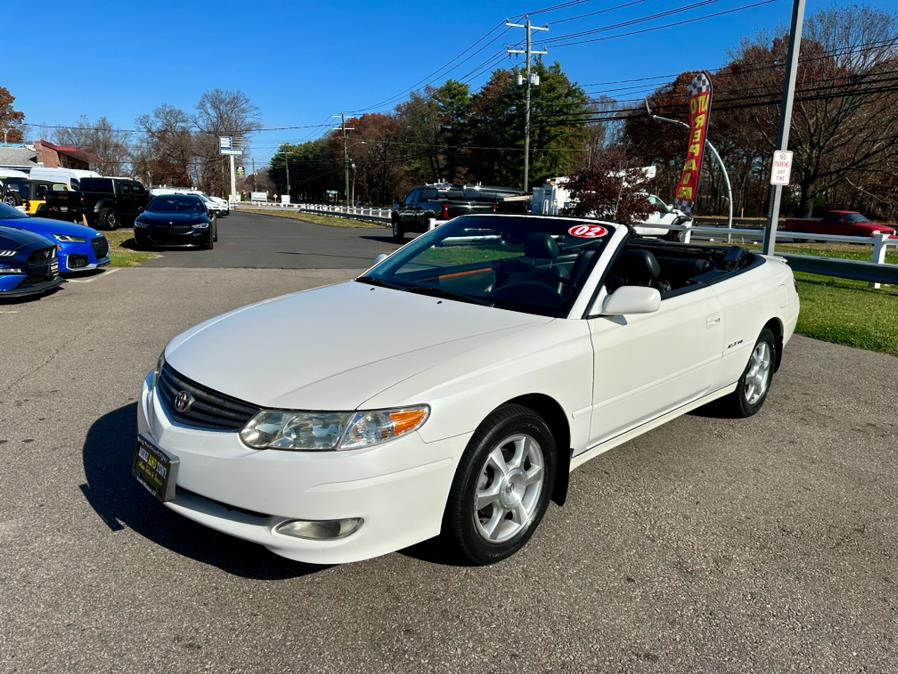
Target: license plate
<point>63,208</point>
<point>155,469</point>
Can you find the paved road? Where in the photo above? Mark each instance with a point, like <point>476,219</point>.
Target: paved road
<point>263,241</point>
<point>714,545</point>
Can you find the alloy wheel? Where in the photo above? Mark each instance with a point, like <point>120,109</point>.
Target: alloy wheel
<point>508,489</point>
<point>757,379</point>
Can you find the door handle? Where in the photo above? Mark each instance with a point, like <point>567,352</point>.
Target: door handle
<point>712,320</point>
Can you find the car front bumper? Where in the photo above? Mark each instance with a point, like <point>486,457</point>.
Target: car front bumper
<point>16,285</point>
<point>158,236</point>
<point>399,488</point>
<point>76,257</point>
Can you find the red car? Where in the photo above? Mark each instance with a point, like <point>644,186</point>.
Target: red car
<point>839,223</point>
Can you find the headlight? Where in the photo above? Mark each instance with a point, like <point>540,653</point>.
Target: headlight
<point>7,253</point>
<point>200,225</point>
<point>140,224</point>
<point>65,238</point>
<point>331,430</point>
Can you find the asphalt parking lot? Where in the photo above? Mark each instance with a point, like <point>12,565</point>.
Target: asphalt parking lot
<point>768,544</point>
<point>259,241</point>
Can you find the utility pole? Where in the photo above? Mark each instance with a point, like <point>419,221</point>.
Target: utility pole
<point>287,166</point>
<point>528,54</point>
<point>344,129</point>
<point>776,193</point>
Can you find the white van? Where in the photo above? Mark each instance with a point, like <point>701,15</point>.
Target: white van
<point>67,176</point>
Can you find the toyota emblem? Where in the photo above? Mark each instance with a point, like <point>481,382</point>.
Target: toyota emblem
<point>183,401</point>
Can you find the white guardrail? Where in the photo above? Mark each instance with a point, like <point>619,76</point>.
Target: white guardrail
<point>863,270</point>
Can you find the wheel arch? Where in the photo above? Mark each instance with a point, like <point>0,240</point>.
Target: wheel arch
<point>556,419</point>
<point>775,325</point>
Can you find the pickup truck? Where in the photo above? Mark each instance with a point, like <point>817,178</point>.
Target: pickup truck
<point>105,203</point>
<point>445,201</point>
<point>838,223</point>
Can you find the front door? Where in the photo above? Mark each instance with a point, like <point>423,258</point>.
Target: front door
<point>649,364</point>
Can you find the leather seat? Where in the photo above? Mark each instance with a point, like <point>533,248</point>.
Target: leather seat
<point>636,267</point>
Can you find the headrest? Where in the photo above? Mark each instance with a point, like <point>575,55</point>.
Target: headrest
<point>541,245</point>
<point>637,264</point>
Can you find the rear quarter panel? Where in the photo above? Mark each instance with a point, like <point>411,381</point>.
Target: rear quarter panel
<point>749,300</point>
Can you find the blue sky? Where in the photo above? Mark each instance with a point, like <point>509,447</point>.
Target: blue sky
<point>300,62</point>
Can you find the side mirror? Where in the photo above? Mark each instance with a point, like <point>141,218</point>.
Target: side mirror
<point>380,258</point>
<point>631,300</point>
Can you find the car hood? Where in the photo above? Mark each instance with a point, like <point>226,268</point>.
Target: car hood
<point>152,217</point>
<point>13,238</point>
<point>334,347</point>
<point>48,227</point>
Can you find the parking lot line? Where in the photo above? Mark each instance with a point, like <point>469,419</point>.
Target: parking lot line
<point>93,278</point>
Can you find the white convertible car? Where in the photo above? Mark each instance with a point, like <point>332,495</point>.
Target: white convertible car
<point>453,387</point>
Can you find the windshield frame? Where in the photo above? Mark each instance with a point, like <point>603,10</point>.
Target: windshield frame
<point>384,274</point>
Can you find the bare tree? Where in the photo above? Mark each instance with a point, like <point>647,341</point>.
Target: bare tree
<point>220,112</point>
<point>166,155</point>
<point>99,137</point>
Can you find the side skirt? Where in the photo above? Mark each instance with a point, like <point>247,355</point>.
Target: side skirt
<point>591,453</point>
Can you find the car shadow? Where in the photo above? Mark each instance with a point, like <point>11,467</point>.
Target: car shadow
<point>121,502</point>
<point>84,274</point>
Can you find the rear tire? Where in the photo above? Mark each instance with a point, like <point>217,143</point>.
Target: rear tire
<point>398,231</point>
<point>508,469</point>
<point>108,219</point>
<point>754,384</point>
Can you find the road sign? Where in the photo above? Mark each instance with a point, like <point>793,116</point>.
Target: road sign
<point>781,169</point>
<point>241,171</point>
<point>228,145</point>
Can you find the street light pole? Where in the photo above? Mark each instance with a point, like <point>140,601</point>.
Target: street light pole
<point>726,175</point>
<point>776,193</point>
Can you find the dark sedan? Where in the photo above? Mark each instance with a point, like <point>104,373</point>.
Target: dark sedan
<point>176,220</point>
<point>28,264</point>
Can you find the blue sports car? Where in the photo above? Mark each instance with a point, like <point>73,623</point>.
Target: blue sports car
<point>80,248</point>
<point>28,264</point>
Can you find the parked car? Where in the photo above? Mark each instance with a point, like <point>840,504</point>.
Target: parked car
<point>656,224</point>
<point>14,187</point>
<point>176,220</point>
<point>444,201</point>
<point>28,264</point>
<point>838,223</point>
<point>105,203</point>
<point>79,248</point>
<point>499,353</point>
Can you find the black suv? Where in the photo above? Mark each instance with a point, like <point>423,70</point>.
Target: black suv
<point>105,203</point>
<point>445,201</point>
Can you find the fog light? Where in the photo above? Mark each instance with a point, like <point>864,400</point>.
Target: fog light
<point>319,530</point>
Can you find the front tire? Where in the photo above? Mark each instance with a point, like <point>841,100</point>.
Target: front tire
<point>502,487</point>
<point>754,384</point>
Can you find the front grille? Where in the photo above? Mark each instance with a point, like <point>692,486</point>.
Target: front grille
<point>100,246</point>
<point>210,409</point>
<point>77,261</point>
<point>172,229</point>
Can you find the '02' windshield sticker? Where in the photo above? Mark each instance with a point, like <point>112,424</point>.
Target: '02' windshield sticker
<point>588,231</point>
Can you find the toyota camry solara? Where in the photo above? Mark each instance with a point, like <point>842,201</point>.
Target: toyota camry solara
<point>453,387</point>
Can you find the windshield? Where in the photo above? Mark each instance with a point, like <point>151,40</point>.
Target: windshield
<point>174,203</point>
<point>531,264</point>
<point>855,218</point>
<point>7,212</point>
